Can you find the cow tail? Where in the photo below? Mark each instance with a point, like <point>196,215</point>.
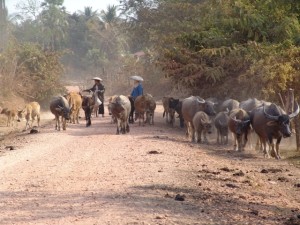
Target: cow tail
<point>164,113</point>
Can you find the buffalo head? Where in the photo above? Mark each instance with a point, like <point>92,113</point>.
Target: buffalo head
<point>282,121</point>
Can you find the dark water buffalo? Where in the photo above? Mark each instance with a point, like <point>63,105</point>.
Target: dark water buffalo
<point>87,106</point>
<point>169,112</point>
<point>59,106</point>
<point>272,122</point>
<point>221,123</point>
<point>202,124</point>
<point>120,109</point>
<point>192,105</point>
<point>239,125</point>
<point>250,104</point>
<point>229,104</point>
<point>176,104</point>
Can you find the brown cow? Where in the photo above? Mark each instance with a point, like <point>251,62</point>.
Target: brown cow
<point>75,102</point>
<point>144,104</point>
<point>30,112</point>
<point>11,116</point>
<point>109,106</point>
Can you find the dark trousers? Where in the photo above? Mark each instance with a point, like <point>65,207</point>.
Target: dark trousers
<point>101,109</point>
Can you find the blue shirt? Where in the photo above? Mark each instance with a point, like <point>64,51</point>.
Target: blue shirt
<point>137,91</point>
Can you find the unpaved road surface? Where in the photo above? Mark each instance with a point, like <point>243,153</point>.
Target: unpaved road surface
<point>92,176</point>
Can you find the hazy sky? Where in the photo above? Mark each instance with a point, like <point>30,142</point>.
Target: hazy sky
<point>71,5</point>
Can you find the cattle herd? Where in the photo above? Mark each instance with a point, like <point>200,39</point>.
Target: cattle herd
<point>265,119</point>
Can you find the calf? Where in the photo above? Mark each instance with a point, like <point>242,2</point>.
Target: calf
<point>11,116</point>
<point>177,106</point>
<point>120,109</point>
<point>239,125</point>
<point>151,106</point>
<point>144,104</point>
<point>59,106</point>
<point>221,124</point>
<point>168,110</point>
<point>113,118</point>
<point>30,112</point>
<point>202,125</point>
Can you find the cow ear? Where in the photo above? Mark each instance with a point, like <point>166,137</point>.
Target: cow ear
<point>272,123</point>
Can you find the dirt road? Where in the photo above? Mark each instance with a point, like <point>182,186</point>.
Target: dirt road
<point>151,176</point>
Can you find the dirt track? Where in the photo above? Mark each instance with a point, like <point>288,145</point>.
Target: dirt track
<point>92,176</point>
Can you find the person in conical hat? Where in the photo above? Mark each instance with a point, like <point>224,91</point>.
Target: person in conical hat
<point>136,91</point>
<point>98,86</point>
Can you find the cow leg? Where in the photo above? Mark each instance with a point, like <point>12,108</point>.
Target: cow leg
<point>123,128</point>
<point>58,123</point>
<point>235,146</point>
<point>196,136</point>
<point>277,148</point>
<point>277,154</point>
<point>63,121</point>
<point>219,137</point>
<point>118,126</point>
<point>267,151</point>
<point>167,117</point>
<point>127,128</point>
<point>192,132</point>
<point>204,136</point>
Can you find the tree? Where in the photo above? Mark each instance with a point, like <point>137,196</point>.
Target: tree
<point>53,19</point>
<point>3,24</point>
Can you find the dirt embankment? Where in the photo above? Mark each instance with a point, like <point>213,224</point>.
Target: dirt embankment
<point>152,175</point>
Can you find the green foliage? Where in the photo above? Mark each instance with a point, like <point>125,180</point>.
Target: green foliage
<point>232,48</point>
<point>35,73</point>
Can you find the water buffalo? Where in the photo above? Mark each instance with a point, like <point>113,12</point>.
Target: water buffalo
<point>202,125</point>
<point>239,125</point>
<point>192,105</point>
<point>169,112</point>
<point>250,104</point>
<point>30,112</point>
<point>90,104</point>
<point>272,122</point>
<point>221,123</point>
<point>229,104</point>
<point>59,106</point>
<point>176,105</point>
<point>120,109</point>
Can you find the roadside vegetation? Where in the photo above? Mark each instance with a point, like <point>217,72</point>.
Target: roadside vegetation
<point>212,48</point>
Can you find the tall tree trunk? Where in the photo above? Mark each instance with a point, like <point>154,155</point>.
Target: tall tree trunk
<point>288,105</point>
<point>297,128</point>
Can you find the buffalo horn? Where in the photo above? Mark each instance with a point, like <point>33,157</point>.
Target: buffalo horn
<point>239,121</point>
<point>200,101</point>
<point>292,115</point>
<point>271,117</point>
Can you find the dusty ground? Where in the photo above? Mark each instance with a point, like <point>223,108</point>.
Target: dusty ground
<point>151,176</point>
